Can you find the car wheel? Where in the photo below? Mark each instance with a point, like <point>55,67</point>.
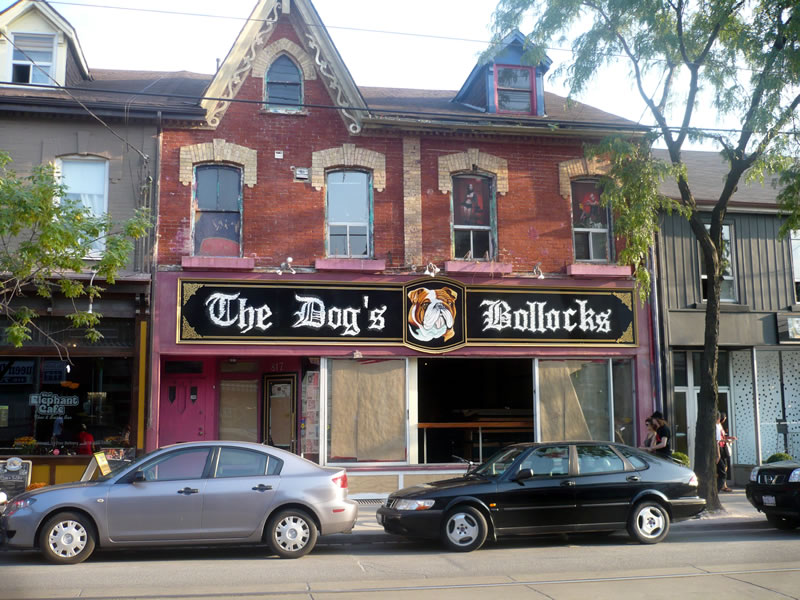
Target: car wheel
<point>784,523</point>
<point>648,522</point>
<point>291,534</point>
<point>67,538</point>
<point>464,529</point>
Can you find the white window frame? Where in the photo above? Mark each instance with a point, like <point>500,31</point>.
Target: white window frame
<point>794,242</point>
<point>606,231</point>
<point>349,224</point>
<point>97,252</point>
<point>491,228</point>
<point>33,65</point>
<point>732,265</point>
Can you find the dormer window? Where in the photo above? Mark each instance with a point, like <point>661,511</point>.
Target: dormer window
<point>32,59</point>
<point>514,89</point>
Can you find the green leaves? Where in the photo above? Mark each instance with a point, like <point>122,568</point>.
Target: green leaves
<point>46,241</point>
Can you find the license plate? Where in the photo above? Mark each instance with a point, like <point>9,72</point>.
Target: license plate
<point>768,500</point>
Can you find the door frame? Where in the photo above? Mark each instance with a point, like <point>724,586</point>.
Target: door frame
<point>291,379</point>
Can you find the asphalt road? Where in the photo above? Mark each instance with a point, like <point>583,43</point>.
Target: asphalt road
<point>735,555</point>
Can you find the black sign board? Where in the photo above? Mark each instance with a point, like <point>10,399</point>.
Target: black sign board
<point>15,476</point>
<point>431,315</point>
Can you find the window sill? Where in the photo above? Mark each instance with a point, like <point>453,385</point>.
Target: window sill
<point>223,263</point>
<point>279,111</point>
<point>725,306</point>
<point>487,267</point>
<point>588,269</point>
<point>349,264</point>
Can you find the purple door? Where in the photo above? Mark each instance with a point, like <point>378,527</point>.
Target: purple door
<point>185,404</point>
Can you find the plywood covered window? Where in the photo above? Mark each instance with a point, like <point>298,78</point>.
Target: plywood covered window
<point>367,411</point>
<point>284,85</point>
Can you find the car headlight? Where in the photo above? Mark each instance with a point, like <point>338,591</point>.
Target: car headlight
<point>16,505</point>
<point>795,476</point>
<point>754,474</point>
<point>414,504</point>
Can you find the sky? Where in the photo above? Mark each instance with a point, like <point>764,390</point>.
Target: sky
<point>121,39</point>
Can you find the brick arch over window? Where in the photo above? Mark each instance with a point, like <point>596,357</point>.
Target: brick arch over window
<point>283,46</point>
<point>465,161</point>
<point>578,167</point>
<point>348,156</point>
<point>218,151</point>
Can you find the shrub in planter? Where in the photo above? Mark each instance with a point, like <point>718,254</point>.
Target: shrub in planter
<point>779,456</point>
<point>681,458</point>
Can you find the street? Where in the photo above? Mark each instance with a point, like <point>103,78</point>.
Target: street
<point>736,555</point>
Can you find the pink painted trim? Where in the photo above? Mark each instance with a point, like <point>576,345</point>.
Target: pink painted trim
<point>595,270</point>
<point>488,268</point>
<point>349,264</point>
<point>224,263</point>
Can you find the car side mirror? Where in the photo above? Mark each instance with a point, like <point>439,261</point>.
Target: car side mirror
<point>523,474</point>
<point>138,476</point>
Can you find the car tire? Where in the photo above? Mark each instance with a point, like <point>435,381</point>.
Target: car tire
<point>648,522</point>
<point>67,538</point>
<point>291,533</point>
<point>783,523</point>
<point>464,529</point>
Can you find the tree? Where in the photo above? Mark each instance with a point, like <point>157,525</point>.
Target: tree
<point>746,55</point>
<point>45,239</point>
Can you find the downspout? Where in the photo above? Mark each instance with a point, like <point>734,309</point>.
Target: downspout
<point>655,316</point>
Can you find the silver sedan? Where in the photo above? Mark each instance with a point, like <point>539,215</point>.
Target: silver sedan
<point>193,493</point>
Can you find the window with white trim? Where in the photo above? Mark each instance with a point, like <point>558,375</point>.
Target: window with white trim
<point>590,223</point>
<point>349,208</point>
<point>795,240</point>
<point>217,210</point>
<point>474,231</point>
<point>727,292</point>
<point>86,181</point>
<point>32,58</point>
<point>515,89</point>
<point>283,85</point>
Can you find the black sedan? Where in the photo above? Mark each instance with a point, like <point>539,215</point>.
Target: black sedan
<point>558,487</point>
<point>774,489</point>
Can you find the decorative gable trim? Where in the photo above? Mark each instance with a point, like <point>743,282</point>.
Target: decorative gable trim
<point>469,160</point>
<point>578,167</point>
<point>218,151</point>
<point>281,46</point>
<point>348,156</point>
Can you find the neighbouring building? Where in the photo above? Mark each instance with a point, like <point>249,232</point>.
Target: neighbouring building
<point>388,279</point>
<point>104,141</point>
<point>759,322</point>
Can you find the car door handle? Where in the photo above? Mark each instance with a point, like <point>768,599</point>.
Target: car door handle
<point>568,483</point>
<point>633,478</point>
<point>187,491</point>
<point>262,488</point>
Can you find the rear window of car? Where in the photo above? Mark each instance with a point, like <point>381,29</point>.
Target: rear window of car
<point>637,461</point>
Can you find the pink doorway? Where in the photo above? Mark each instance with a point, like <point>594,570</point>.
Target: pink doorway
<point>185,404</point>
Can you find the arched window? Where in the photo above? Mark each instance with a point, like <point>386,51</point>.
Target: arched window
<point>284,85</point>
<point>217,210</point>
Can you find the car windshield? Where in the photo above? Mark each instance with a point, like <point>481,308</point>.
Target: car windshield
<point>499,462</point>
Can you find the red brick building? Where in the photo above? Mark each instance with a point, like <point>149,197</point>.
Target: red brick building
<point>385,278</point>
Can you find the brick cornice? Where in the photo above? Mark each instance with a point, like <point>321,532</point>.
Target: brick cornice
<point>578,167</point>
<point>218,151</point>
<point>267,55</point>
<point>469,160</point>
<point>348,155</point>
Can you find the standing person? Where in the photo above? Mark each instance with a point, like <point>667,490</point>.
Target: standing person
<point>85,441</point>
<point>651,437</point>
<point>662,447</point>
<point>722,466</point>
<point>58,430</point>
<point>724,442</point>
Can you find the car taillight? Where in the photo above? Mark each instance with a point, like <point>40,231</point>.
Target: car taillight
<point>693,480</point>
<point>341,480</point>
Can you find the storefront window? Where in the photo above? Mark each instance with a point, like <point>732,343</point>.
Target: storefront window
<point>238,410</point>
<point>624,426</point>
<point>48,400</point>
<point>366,411</point>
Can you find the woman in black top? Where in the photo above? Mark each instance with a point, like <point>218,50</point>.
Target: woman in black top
<point>662,446</point>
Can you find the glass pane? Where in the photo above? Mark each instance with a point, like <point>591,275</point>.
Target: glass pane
<point>598,459</point>
<point>723,370</point>
<point>697,365</point>
<point>481,245</point>
<point>587,212</point>
<point>574,399</point>
<point>679,373</point>
<point>471,201</point>
<point>84,176</point>
<point>38,47</point>
<point>238,410</point>
<point>727,290</point>
<point>39,76</point>
<point>284,94</point>
<point>206,188</point>
<point>518,79</point>
<point>514,101</point>
<point>216,234</point>
<point>348,200</point>
<point>681,426</point>
<point>796,258</point>
<point>379,432</point>
<point>582,246</point>
<point>599,245</point>
<point>358,241</point>
<point>42,57</point>
<point>229,186</point>
<point>622,374</point>
<point>549,461</point>
<point>635,459</point>
<point>284,71</point>
<point>217,188</point>
<point>235,462</point>
<point>185,464</point>
<point>463,244</point>
<point>337,240</point>
<point>21,74</point>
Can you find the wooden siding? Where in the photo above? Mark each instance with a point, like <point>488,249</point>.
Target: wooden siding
<point>763,262</point>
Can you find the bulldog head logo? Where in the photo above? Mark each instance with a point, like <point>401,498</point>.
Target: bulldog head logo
<point>432,313</point>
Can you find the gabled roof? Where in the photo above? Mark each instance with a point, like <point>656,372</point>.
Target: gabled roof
<point>255,35</point>
<point>22,7</point>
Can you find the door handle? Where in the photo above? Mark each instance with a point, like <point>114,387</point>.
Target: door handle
<point>187,491</point>
<point>568,483</point>
<point>633,478</point>
<point>262,488</point>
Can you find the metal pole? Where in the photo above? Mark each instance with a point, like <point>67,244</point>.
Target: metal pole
<point>480,444</point>
<point>756,416</point>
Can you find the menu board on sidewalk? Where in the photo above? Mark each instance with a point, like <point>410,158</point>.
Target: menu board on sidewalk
<point>15,476</point>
